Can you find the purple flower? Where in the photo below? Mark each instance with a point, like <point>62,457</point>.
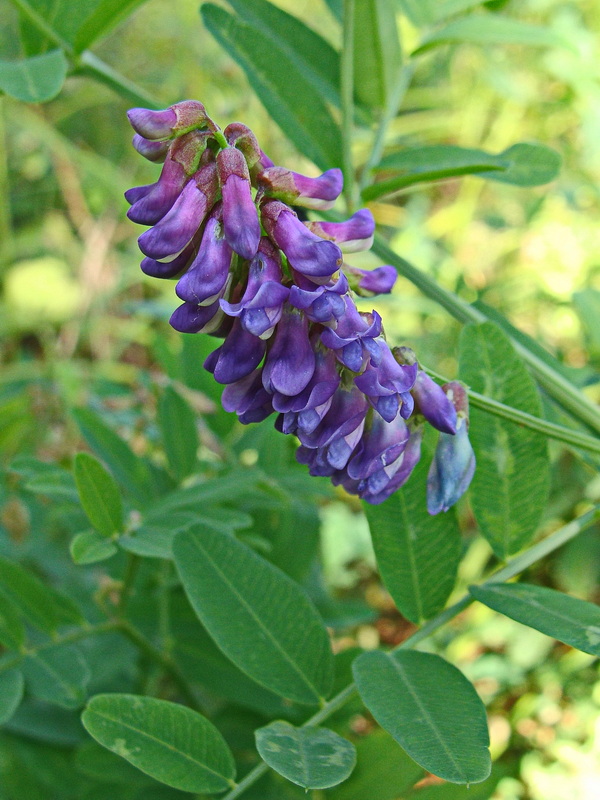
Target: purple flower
<point>240,217</point>
<point>354,338</point>
<point>320,303</point>
<point>388,385</point>
<point>309,254</point>
<point>173,121</point>
<point>353,235</point>
<point>369,282</point>
<point>153,151</point>
<point>290,362</point>
<point>261,306</point>
<point>248,398</point>
<point>433,403</point>
<point>380,446</point>
<point>298,190</point>
<point>176,229</point>
<point>383,483</point>
<point>154,204</point>
<point>169,269</point>
<point>238,356</point>
<point>191,318</point>
<point>205,280</point>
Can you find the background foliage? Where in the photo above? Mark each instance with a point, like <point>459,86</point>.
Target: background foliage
<point>96,472</point>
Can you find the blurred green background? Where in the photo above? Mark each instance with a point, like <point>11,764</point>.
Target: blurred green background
<point>80,324</point>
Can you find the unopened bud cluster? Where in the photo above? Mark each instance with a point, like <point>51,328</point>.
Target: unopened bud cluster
<point>277,290</point>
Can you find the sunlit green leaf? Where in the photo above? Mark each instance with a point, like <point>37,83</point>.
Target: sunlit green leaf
<point>431,710</point>
<point>315,758</point>
<point>99,495</point>
<point>11,693</point>
<point>36,79</point>
<point>377,54</point>
<point>511,481</point>
<point>569,619</point>
<point>258,616</point>
<point>58,674</point>
<point>293,102</point>
<point>417,554</point>
<point>167,741</point>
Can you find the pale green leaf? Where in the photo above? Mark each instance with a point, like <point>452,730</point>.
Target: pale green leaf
<point>11,693</point>
<point>510,486</point>
<point>293,102</point>
<point>36,79</point>
<point>487,29</point>
<point>314,758</point>
<point>377,54</point>
<point>179,434</point>
<point>417,554</point>
<point>431,710</point>
<point>90,547</point>
<point>99,495</point>
<point>258,616</point>
<point>568,619</point>
<point>58,674</point>
<point>168,741</point>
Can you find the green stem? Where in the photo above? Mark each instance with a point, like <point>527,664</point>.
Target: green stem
<point>92,66</point>
<point>561,390</point>
<point>6,234</point>
<point>550,429</point>
<point>390,112</point>
<point>513,568</point>
<point>131,569</point>
<point>164,660</point>
<point>67,638</point>
<point>347,99</point>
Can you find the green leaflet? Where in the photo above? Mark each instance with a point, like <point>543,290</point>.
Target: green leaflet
<point>11,693</point>
<point>431,710</point>
<point>573,621</point>
<point>258,616</point>
<point>314,758</point>
<point>511,481</point>
<point>99,495</point>
<point>180,438</point>
<point>167,741</point>
<point>58,674</point>
<point>377,53</point>
<point>417,554</point>
<point>36,79</point>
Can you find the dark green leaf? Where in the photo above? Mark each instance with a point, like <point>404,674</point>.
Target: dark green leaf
<point>167,741</point>
<point>89,547</point>
<point>315,758</point>
<point>58,674</point>
<point>99,495</point>
<point>154,539</point>
<point>417,553</point>
<point>293,102</point>
<point>573,621</point>
<point>132,473</point>
<point>180,437</point>
<point>11,693</point>
<point>486,29</point>
<point>12,630</point>
<point>258,616</point>
<point>521,165</point>
<point>102,765</point>
<point>377,55</point>
<point>510,485</point>
<point>314,57</point>
<point>383,770</point>
<point>431,710</point>
<point>36,79</point>
<point>43,606</point>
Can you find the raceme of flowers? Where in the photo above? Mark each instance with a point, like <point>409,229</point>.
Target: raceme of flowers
<point>277,290</point>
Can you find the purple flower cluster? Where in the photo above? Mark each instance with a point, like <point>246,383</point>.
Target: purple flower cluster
<point>277,291</point>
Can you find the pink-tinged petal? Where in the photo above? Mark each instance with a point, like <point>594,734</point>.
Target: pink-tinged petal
<point>152,124</point>
<point>153,151</point>
<point>240,217</point>
<point>153,206</point>
<point>299,190</point>
<point>353,235</point>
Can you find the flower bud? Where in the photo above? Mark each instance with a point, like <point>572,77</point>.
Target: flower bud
<point>191,318</point>
<point>290,363</point>
<point>370,282</point>
<point>433,403</point>
<point>240,217</point>
<point>153,151</point>
<point>173,121</point>
<point>205,280</point>
<point>353,235</point>
<point>298,190</point>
